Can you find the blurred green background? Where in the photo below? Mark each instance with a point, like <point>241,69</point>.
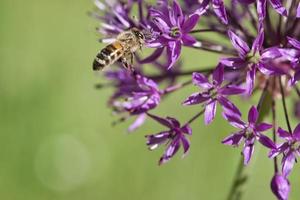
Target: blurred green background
<point>57,141</point>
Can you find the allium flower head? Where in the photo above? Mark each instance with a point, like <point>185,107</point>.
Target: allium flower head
<point>258,48</point>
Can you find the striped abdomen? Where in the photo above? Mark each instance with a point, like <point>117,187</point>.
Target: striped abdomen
<point>107,56</point>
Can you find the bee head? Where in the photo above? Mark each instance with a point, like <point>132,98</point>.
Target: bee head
<point>139,35</point>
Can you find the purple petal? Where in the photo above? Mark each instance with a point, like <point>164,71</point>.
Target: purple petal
<point>263,127</point>
<point>258,42</point>
<point>210,112</point>
<point>153,141</point>
<point>175,123</point>
<point>280,187</point>
<point>288,163</point>
<point>137,123</point>
<point>160,120</point>
<point>231,90</point>
<point>250,80</point>
<point>234,120</point>
<point>177,11</point>
<point>170,151</point>
<point>298,11</point>
<point>195,98</point>
<point>270,53</point>
<point>267,142</point>
<point>218,75</point>
<point>239,44</point>
<point>219,9</point>
<point>186,129</point>
<point>228,107</point>
<point>296,133</point>
<point>233,139</point>
<point>295,43</point>
<point>201,80</point>
<point>188,40</point>
<point>190,23</point>
<point>235,63</point>
<point>185,144</point>
<point>173,52</point>
<point>261,9</point>
<point>269,69</point>
<point>202,8</point>
<point>284,134</point>
<point>277,5</point>
<point>252,115</point>
<point>155,55</point>
<point>247,152</point>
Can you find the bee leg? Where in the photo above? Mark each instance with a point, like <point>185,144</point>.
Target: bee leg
<point>127,61</point>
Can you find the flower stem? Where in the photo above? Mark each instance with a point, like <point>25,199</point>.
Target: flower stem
<point>284,106</point>
<point>175,74</point>
<point>274,125</point>
<point>240,178</point>
<point>176,87</point>
<point>195,116</point>
<point>208,30</point>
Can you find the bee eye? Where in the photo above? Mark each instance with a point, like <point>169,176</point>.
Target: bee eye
<point>139,35</point>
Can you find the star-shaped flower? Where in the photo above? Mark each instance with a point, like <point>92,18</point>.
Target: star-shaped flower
<point>289,149</point>
<point>173,28</point>
<point>214,92</point>
<point>173,138</point>
<point>250,132</point>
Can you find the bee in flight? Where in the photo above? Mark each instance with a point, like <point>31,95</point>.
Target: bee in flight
<point>122,49</point>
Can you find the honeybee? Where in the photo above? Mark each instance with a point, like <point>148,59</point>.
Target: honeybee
<point>122,49</point>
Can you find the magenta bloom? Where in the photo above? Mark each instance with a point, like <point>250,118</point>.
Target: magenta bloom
<point>289,149</point>
<point>253,59</point>
<point>280,186</point>
<point>250,132</point>
<point>145,96</point>
<point>218,7</point>
<point>294,56</point>
<point>173,138</point>
<point>173,27</point>
<point>213,92</point>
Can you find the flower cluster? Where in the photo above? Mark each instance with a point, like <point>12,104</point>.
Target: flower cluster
<point>261,56</point>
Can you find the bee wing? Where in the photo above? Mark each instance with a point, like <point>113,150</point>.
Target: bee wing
<point>107,40</point>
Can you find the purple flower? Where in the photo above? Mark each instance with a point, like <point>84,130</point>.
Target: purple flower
<point>289,149</point>
<point>137,98</point>
<point>252,59</point>
<point>173,138</point>
<point>250,132</point>
<point>214,92</point>
<point>294,56</point>
<point>280,186</point>
<point>276,4</point>
<point>173,28</point>
<point>218,7</point>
